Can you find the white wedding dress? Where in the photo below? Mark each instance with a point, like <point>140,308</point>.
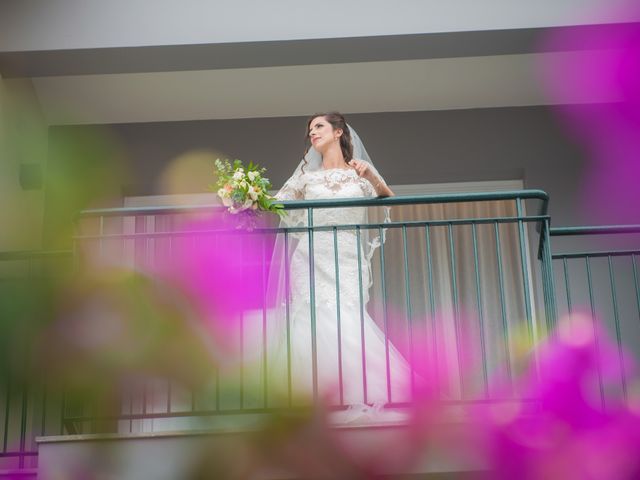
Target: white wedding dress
<point>356,365</point>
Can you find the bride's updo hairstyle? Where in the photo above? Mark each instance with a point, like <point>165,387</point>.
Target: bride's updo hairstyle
<point>337,121</point>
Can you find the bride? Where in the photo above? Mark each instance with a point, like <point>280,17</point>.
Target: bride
<point>334,350</point>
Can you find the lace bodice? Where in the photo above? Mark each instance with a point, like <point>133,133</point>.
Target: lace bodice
<point>327,184</point>
<point>336,182</point>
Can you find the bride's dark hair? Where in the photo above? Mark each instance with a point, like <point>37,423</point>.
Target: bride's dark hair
<point>336,120</point>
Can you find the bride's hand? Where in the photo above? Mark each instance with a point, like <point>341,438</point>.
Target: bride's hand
<point>362,169</point>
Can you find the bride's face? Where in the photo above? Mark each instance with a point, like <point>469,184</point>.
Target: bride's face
<point>322,134</point>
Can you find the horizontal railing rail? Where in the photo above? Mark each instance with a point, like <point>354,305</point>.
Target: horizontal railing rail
<point>594,230</point>
<point>340,202</point>
<point>32,255</point>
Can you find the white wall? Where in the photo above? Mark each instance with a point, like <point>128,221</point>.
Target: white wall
<point>23,140</point>
<point>69,24</point>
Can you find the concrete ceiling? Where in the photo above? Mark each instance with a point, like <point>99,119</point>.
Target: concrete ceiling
<point>363,87</point>
<point>417,72</point>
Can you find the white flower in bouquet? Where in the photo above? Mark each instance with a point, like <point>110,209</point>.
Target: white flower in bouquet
<point>254,192</point>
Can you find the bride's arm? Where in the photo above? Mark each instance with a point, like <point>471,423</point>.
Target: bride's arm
<point>380,187</point>
<point>291,190</point>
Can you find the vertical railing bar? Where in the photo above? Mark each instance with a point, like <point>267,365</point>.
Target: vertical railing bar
<point>169,394</point>
<point>616,319</point>
<point>385,319</point>
<point>548,260</point>
<point>43,425</point>
<point>567,285</point>
<point>503,312</point>
<point>545,279</point>
<point>242,373</point>
<point>545,292</point>
<point>62,410</point>
<point>407,284</point>
<point>312,303</point>
<point>23,422</point>
<point>93,422</point>
<point>525,269</point>
<point>456,307</point>
<point>131,397</point>
<point>432,306</point>
<point>287,315</point>
<point>635,280</point>
<point>483,348</point>
<point>593,324</point>
<point>217,379</point>
<point>362,336</point>
<point>241,324</point>
<point>25,387</point>
<point>216,367</point>
<point>170,255</point>
<point>44,408</point>
<point>552,282</point>
<point>146,259</point>
<point>548,288</point>
<point>144,396</point>
<point>265,366</point>
<point>150,241</point>
<point>338,319</point>
<point>6,412</point>
<point>75,259</point>
<point>100,242</point>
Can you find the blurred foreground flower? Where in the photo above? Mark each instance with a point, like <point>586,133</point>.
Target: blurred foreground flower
<point>597,93</point>
<point>118,326</point>
<point>221,271</point>
<point>570,433</point>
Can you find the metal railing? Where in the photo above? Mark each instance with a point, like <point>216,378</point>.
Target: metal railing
<point>28,407</point>
<point>600,279</point>
<point>482,262</point>
<point>468,300</point>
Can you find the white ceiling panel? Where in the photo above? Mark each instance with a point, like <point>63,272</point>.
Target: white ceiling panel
<point>413,85</point>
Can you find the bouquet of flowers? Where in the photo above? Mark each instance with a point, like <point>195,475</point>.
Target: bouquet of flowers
<point>244,189</point>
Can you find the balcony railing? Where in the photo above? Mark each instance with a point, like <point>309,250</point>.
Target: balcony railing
<point>28,408</point>
<point>456,273</point>
<point>603,283</point>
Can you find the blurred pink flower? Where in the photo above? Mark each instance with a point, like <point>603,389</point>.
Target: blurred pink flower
<point>566,432</point>
<point>597,93</point>
<point>222,271</point>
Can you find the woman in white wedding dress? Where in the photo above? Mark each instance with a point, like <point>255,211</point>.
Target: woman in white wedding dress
<point>349,361</point>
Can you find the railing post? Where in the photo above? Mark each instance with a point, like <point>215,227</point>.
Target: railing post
<point>548,278</point>
<point>525,268</point>
<point>312,306</point>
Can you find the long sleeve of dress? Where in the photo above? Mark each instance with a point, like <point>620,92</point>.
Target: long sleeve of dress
<point>293,189</point>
